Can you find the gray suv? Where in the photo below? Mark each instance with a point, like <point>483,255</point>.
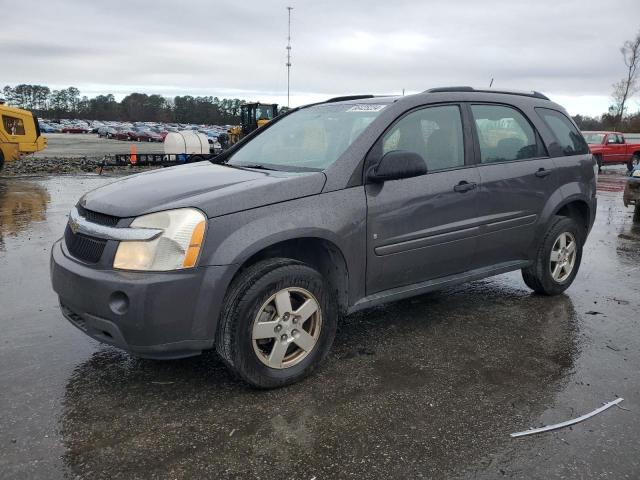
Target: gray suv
<point>329,209</point>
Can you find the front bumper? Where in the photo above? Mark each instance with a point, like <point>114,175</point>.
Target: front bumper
<point>150,314</point>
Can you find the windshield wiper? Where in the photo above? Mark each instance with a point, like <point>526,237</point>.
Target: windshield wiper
<point>257,166</point>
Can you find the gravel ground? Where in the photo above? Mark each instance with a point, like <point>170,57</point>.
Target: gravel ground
<point>69,153</point>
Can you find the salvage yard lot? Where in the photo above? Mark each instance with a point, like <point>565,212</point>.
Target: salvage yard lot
<point>424,388</point>
<point>68,145</point>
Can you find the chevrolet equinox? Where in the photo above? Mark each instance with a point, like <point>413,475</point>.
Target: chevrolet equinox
<point>329,209</point>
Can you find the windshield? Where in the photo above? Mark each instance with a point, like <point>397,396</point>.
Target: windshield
<point>593,138</point>
<point>310,139</point>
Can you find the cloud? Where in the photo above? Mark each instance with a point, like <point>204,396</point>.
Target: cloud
<point>569,49</point>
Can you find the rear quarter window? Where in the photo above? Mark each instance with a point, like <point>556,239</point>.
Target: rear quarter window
<point>570,141</point>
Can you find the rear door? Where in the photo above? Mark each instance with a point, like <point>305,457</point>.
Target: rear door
<point>423,227</point>
<point>517,177</point>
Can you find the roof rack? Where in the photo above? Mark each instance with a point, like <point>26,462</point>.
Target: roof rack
<point>533,93</point>
<point>348,97</point>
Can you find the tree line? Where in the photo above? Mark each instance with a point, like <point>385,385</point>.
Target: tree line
<point>609,121</point>
<point>68,103</point>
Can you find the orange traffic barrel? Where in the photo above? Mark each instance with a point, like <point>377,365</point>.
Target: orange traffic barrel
<point>133,158</point>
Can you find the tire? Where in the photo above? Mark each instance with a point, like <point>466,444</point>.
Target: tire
<point>636,211</point>
<point>244,304</point>
<point>1,160</point>
<point>599,162</point>
<point>538,276</point>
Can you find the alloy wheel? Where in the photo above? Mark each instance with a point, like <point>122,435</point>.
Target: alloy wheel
<point>563,257</point>
<point>286,328</point>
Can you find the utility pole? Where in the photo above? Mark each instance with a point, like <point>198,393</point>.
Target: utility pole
<point>289,55</point>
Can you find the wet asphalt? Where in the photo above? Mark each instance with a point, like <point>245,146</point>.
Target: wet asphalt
<point>425,388</point>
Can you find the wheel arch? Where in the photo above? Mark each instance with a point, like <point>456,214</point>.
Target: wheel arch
<point>319,252</point>
<point>577,208</point>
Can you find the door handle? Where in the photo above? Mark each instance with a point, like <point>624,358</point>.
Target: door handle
<point>464,186</point>
<point>542,172</point>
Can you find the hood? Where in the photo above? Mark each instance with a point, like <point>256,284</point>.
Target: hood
<point>214,189</point>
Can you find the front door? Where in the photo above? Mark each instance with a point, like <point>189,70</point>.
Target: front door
<point>424,227</point>
<point>614,149</point>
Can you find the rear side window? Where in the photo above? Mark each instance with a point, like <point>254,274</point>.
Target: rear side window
<point>13,125</point>
<point>504,134</point>
<point>567,135</point>
<point>435,133</point>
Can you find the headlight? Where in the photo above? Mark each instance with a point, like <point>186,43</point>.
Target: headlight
<point>636,173</point>
<point>177,247</point>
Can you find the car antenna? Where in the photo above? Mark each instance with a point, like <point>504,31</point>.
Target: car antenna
<point>491,82</point>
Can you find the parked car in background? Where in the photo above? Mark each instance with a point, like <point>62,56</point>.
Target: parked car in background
<point>611,148</point>
<point>631,195</point>
<point>148,136</point>
<point>125,133</point>
<point>400,196</point>
<point>75,129</point>
<point>46,128</point>
<point>107,132</point>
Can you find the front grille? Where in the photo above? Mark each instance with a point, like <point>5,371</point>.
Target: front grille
<point>83,247</point>
<point>97,217</point>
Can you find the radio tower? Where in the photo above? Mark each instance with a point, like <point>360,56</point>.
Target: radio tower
<point>289,55</point>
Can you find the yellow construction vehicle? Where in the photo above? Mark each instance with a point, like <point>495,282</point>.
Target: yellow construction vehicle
<point>252,117</point>
<point>19,133</point>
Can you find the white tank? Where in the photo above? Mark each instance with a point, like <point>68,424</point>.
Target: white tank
<point>186,141</point>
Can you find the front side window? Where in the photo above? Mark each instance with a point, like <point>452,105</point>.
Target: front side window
<point>13,125</point>
<point>504,134</point>
<point>435,133</point>
<point>310,139</point>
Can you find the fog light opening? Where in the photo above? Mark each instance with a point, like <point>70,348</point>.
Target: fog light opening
<point>119,303</point>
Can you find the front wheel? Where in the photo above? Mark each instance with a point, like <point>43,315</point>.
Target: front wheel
<point>277,324</point>
<point>557,259</point>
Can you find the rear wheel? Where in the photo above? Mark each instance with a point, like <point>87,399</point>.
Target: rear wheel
<point>277,324</point>
<point>557,259</point>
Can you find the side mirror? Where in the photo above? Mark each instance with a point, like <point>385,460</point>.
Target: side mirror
<point>397,164</point>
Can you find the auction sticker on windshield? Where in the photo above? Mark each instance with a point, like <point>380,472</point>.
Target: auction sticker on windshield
<point>364,107</point>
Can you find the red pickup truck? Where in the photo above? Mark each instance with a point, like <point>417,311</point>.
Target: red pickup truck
<point>609,148</point>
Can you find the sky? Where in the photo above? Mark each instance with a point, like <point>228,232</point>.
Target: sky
<point>567,49</point>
